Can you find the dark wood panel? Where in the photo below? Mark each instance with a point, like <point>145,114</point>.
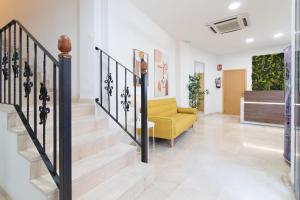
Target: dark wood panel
<point>264,113</point>
<point>264,96</point>
<point>297,97</point>
<point>297,116</point>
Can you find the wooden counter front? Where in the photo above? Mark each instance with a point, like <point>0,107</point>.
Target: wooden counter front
<point>264,107</point>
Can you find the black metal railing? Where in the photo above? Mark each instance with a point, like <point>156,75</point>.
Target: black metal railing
<point>120,99</point>
<point>39,86</point>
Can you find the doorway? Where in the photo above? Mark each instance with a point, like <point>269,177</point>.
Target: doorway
<point>199,69</point>
<point>234,86</point>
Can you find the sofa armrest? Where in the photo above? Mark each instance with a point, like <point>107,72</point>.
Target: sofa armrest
<point>187,110</point>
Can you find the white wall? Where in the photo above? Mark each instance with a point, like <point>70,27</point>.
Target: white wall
<point>185,67</point>
<point>14,168</point>
<point>118,27</point>
<point>47,20</point>
<point>187,56</point>
<point>87,48</point>
<point>199,67</point>
<point>210,73</point>
<point>93,31</point>
<point>128,29</point>
<point>244,61</point>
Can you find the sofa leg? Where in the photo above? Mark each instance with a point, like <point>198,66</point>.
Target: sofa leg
<point>172,142</point>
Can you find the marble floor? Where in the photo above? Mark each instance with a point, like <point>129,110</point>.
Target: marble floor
<point>221,159</point>
<point>3,196</point>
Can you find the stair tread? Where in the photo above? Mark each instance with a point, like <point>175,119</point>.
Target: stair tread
<point>93,135</point>
<point>113,188</point>
<point>85,166</point>
<point>7,108</point>
<point>75,105</point>
<point>22,129</point>
<point>32,154</point>
<point>102,158</point>
<point>10,108</point>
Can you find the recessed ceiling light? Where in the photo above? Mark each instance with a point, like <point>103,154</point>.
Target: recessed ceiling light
<point>278,35</point>
<point>234,5</point>
<point>249,40</point>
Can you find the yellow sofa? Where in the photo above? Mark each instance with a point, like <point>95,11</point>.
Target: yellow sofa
<point>170,120</point>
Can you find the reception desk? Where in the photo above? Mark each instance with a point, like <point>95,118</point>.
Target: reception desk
<point>263,107</point>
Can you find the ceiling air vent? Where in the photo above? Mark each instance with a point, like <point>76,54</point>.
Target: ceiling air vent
<point>230,24</point>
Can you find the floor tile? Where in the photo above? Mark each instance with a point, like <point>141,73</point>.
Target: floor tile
<point>221,159</point>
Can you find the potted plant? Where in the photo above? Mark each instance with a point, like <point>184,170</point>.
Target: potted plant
<point>196,93</point>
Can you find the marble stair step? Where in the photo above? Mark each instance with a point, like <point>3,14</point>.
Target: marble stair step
<point>25,99</point>
<point>39,102</point>
<point>78,110</point>
<point>49,84</point>
<point>92,139</point>
<point>92,171</point>
<point>126,185</point>
<point>83,146</point>
<point>80,126</point>
<point>4,195</point>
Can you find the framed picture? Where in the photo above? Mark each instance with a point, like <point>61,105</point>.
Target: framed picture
<point>138,57</point>
<point>161,74</point>
<point>219,67</point>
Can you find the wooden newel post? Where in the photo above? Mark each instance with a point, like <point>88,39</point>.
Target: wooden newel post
<point>65,121</point>
<point>144,112</point>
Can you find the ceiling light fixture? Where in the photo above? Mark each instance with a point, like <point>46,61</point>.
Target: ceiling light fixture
<point>278,35</point>
<point>234,5</point>
<point>249,40</point>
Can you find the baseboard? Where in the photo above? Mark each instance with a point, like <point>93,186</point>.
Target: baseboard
<point>213,113</point>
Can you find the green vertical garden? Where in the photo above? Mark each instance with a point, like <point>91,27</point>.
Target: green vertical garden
<point>268,72</point>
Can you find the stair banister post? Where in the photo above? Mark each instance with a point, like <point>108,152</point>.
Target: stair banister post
<point>144,112</point>
<point>65,121</point>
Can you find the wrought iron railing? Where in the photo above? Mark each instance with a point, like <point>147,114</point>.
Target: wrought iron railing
<point>39,86</point>
<point>120,99</point>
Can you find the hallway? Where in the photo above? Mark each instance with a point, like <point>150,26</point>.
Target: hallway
<point>221,159</point>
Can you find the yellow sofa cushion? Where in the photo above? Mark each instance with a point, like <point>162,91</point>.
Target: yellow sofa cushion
<point>182,122</point>
<point>162,107</point>
<point>169,120</point>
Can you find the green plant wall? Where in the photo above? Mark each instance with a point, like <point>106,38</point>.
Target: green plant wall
<point>268,72</point>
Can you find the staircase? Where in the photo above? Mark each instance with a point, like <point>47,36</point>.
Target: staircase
<point>102,166</point>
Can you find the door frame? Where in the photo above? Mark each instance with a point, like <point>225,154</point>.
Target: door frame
<point>223,78</point>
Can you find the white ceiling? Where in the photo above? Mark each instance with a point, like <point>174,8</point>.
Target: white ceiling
<point>187,20</point>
